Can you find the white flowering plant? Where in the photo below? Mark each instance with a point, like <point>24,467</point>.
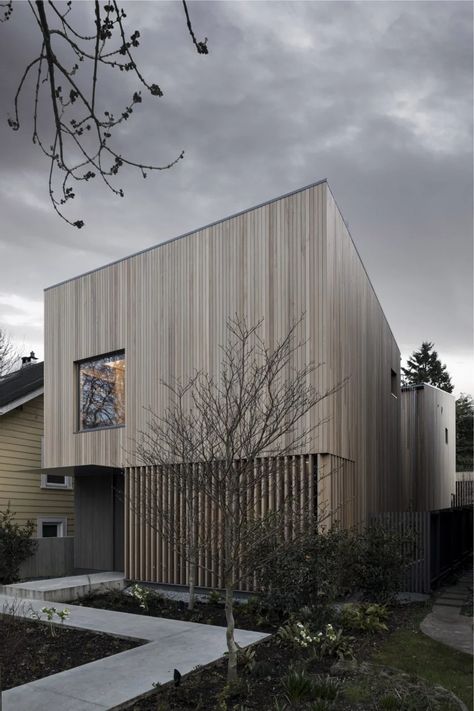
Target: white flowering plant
<point>325,643</point>
<point>141,595</point>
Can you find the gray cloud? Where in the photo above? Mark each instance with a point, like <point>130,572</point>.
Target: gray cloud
<point>377,97</point>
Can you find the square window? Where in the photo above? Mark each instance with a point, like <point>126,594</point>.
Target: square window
<point>102,391</point>
<point>52,527</point>
<point>56,481</point>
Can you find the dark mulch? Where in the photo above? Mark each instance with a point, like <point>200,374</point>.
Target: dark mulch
<point>363,687</point>
<point>28,651</point>
<point>247,616</point>
<point>205,689</point>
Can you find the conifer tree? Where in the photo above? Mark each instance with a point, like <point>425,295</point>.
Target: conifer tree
<point>424,366</point>
<point>464,433</point>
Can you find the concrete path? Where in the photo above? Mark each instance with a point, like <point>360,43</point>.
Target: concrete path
<point>445,623</point>
<point>112,682</point>
<point>66,589</point>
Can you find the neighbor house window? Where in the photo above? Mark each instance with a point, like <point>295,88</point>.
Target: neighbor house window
<point>56,481</point>
<point>446,435</point>
<point>393,383</point>
<point>52,527</point>
<point>102,392</point>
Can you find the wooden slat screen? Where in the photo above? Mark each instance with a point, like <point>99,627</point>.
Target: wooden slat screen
<point>285,484</point>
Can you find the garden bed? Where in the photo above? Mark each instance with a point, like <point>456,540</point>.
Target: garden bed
<point>369,682</point>
<point>248,616</point>
<point>29,650</point>
<point>317,685</point>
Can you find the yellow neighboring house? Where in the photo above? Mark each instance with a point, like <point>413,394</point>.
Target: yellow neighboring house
<point>47,499</point>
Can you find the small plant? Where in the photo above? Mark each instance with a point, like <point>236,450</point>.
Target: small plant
<point>231,691</point>
<point>214,598</point>
<point>297,686</point>
<point>369,617</point>
<point>334,643</point>
<point>51,613</point>
<point>246,659</point>
<point>141,595</point>
<point>326,687</point>
<point>297,634</point>
<point>321,705</point>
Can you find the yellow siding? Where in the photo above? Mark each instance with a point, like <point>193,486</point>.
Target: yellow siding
<point>20,451</point>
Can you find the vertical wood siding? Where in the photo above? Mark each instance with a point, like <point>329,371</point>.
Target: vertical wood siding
<point>20,452</point>
<point>167,308</point>
<point>428,463</point>
<point>153,495</point>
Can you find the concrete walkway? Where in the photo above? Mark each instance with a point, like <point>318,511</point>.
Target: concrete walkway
<point>445,623</point>
<point>112,682</point>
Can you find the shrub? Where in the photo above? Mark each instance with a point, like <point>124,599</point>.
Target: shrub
<point>16,546</point>
<point>381,559</point>
<point>310,572</point>
<point>369,617</point>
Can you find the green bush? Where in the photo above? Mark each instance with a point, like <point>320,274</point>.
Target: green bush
<point>16,546</point>
<point>320,568</point>
<point>381,559</point>
<point>368,617</point>
<point>310,572</point>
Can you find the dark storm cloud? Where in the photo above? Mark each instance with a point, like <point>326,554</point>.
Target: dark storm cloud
<point>377,97</point>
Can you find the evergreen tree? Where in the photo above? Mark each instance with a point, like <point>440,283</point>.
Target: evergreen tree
<point>464,433</point>
<point>424,366</point>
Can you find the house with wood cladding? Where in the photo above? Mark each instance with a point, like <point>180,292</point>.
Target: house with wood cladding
<point>45,498</point>
<point>114,335</point>
<point>428,448</point>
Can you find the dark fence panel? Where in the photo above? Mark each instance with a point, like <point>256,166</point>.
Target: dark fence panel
<point>442,540</point>
<point>54,557</point>
<point>417,575</point>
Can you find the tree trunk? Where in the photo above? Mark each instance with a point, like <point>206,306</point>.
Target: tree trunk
<point>231,644</point>
<point>192,578</point>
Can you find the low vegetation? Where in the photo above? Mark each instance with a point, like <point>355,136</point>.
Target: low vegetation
<point>32,647</point>
<point>16,546</point>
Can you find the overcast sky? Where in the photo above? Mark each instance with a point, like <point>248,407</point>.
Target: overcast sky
<point>374,96</point>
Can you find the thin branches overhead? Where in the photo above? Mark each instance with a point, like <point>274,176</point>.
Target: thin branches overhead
<point>66,88</point>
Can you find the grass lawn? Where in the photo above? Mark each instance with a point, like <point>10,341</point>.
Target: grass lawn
<point>411,651</point>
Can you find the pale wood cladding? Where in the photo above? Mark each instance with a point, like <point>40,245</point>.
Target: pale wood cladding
<point>428,462</point>
<point>168,306</point>
<point>21,430</point>
<point>151,494</point>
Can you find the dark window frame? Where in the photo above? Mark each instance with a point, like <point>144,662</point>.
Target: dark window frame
<point>394,382</point>
<point>80,429</point>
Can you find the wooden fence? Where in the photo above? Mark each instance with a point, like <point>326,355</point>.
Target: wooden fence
<point>417,577</point>
<point>54,557</point>
<point>464,495</point>
<point>442,540</point>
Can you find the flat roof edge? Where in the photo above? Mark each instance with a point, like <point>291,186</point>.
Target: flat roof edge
<point>188,234</point>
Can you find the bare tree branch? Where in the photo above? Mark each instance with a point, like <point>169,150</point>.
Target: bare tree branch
<point>221,441</point>
<point>79,147</point>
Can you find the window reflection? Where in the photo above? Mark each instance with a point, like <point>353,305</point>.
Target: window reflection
<point>102,392</point>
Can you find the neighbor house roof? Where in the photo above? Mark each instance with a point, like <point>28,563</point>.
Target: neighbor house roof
<point>21,386</point>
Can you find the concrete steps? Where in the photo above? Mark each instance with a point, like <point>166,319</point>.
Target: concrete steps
<point>66,589</point>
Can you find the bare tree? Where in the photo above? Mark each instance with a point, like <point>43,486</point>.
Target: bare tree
<point>219,439</point>
<point>66,83</point>
<point>8,353</point>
